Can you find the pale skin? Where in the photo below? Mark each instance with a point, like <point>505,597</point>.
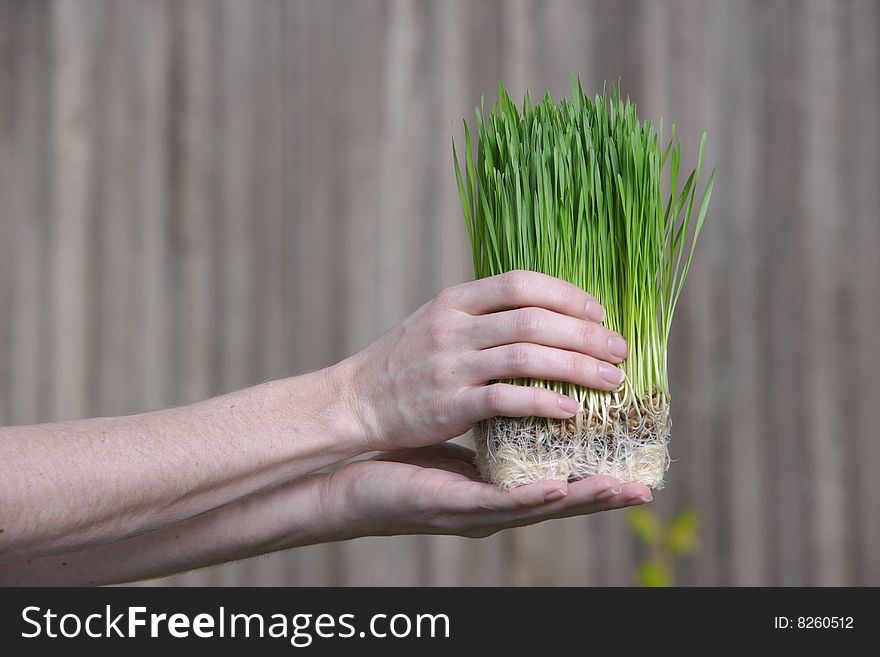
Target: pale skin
<point>110,500</point>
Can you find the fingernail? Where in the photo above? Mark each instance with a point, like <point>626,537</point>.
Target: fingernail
<point>569,405</point>
<point>617,346</point>
<point>640,499</point>
<point>611,374</point>
<point>595,311</point>
<point>607,494</point>
<point>646,498</point>
<point>554,495</point>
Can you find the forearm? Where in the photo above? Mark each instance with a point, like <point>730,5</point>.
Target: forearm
<point>69,485</point>
<point>293,514</point>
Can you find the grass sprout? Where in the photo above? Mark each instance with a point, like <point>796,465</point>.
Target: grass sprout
<point>583,190</point>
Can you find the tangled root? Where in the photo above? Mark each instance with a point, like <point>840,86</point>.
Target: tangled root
<point>631,446</point>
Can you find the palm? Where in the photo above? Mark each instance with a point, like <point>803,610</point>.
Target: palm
<point>437,489</point>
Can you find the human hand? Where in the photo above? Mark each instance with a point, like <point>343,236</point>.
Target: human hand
<point>428,490</point>
<point>429,378</point>
<point>437,490</point>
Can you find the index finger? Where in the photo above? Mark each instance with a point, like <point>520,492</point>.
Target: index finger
<point>520,288</point>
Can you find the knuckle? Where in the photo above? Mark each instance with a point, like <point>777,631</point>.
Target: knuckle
<point>444,411</point>
<point>446,298</point>
<point>589,332</point>
<point>578,369</point>
<point>515,285</point>
<point>537,399</point>
<point>435,373</point>
<point>528,323</point>
<point>495,398</point>
<point>518,357</point>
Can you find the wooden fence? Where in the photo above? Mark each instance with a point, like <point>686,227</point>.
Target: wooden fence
<point>199,195</point>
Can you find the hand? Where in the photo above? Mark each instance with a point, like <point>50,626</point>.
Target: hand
<point>429,490</point>
<point>429,378</point>
<point>437,490</point>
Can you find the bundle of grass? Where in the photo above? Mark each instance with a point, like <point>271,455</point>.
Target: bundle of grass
<point>573,190</point>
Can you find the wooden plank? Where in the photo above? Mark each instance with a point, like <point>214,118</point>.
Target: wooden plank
<point>297,172</point>
<point>396,232</point>
<point>719,488</point>
<point>447,246</point>
<point>781,267</point>
<point>114,179</point>
<point>457,561</point>
<point>568,35</point>
<point>7,202</point>
<point>194,183</point>
<point>720,484</point>
<point>25,215</point>
<point>518,45</point>
<point>653,98</point>
<point>270,180</point>
<point>236,303</point>
<point>863,389</point>
<point>75,29</point>
<point>362,128</point>
<point>822,201</point>
<point>149,27</point>
<point>746,441</point>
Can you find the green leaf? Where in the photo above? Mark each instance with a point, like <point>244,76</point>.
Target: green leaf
<point>645,526</point>
<point>654,574</point>
<point>578,189</point>
<point>465,202</point>
<point>683,533</point>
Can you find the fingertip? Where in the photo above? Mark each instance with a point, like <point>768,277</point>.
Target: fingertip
<point>594,310</point>
<point>617,347</point>
<point>568,405</point>
<point>610,375</point>
<point>637,494</point>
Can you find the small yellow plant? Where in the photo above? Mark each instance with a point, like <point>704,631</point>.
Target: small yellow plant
<point>665,543</point>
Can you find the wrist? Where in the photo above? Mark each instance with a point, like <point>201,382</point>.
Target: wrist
<point>355,414</point>
<point>313,410</point>
<point>353,501</point>
<point>347,415</point>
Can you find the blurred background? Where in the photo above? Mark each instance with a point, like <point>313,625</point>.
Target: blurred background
<point>196,196</point>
